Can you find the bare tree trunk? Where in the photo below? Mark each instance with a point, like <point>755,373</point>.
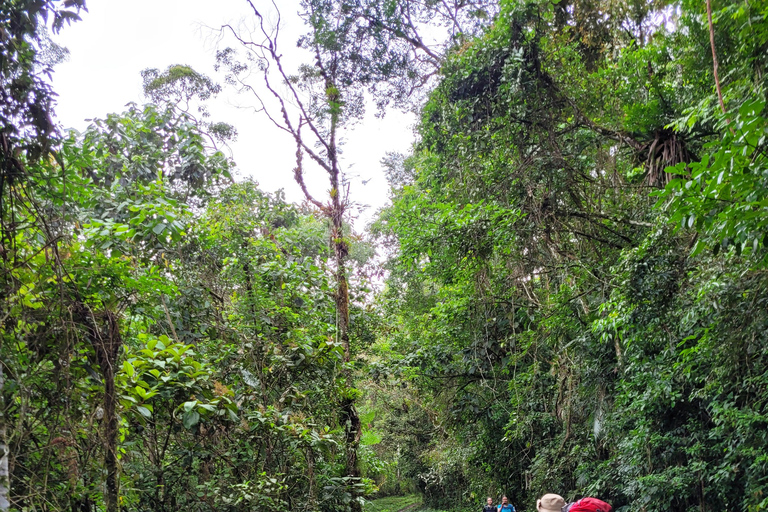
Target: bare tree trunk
<point>5,479</point>
<point>311,479</point>
<point>110,439</point>
<point>106,344</point>
<point>714,56</point>
<point>349,416</point>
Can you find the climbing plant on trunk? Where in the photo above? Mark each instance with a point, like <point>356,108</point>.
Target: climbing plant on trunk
<point>312,108</point>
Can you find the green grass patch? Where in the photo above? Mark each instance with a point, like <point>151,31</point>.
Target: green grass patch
<point>442,510</point>
<point>411,503</point>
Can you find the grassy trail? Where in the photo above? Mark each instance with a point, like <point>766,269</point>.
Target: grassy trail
<point>410,503</point>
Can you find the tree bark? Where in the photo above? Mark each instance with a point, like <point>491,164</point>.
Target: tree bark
<point>110,439</point>
<point>106,343</point>
<point>714,56</point>
<point>349,416</point>
<point>5,479</point>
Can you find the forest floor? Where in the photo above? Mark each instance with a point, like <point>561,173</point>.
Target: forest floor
<point>409,503</point>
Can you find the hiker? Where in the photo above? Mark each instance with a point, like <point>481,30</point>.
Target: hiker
<point>489,505</point>
<point>505,506</point>
<point>556,503</point>
<point>550,503</point>
<point>588,505</point>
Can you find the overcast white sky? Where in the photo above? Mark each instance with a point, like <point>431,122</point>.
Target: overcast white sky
<point>118,38</point>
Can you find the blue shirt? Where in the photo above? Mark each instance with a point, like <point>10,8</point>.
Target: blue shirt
<point>506,508</point>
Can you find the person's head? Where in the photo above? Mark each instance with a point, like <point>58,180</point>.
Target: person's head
<point>550,503</point>
<point>504,500</point>
<point>490,500</point>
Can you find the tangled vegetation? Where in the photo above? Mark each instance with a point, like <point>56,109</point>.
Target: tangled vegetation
<point>572,271</point>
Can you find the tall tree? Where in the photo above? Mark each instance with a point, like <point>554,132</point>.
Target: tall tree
<point>391,50</point>
<point>313,107</point>
<point>187,90</point>
<point>353,48</point>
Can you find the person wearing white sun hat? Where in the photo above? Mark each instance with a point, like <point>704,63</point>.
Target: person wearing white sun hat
<point>556,503</point>
<point>550,503</point>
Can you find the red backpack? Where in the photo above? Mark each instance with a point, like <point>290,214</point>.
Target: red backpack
<point>589,505</point>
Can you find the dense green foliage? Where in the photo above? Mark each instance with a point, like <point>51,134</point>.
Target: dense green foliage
<point>559,335</point>
<point>221,320</point>
<point>575,287</point>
